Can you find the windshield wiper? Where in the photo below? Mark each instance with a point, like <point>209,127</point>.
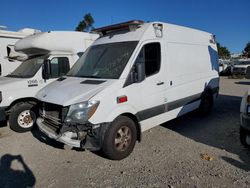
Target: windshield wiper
<point>14,76</point>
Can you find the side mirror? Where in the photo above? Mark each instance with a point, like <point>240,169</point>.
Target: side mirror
<point>46,69</point>
<point>140,72</point>
<point>248,73</point>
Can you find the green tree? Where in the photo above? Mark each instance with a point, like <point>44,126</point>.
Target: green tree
<point>86,24</point>
<point>223,52</point>
<point>247,50</point>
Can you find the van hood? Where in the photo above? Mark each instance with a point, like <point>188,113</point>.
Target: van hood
<point>66,91</point>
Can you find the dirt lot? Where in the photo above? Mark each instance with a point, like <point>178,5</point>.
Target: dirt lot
<point>169,155</point>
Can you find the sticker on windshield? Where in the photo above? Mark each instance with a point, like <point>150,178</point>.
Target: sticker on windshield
<point>32,83</point>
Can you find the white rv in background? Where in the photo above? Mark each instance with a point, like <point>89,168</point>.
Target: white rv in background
<point>133,78</point>
<point>50,56</point>
<point>9,58</point>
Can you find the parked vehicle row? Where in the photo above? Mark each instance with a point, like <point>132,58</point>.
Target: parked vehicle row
<point>50,56</point>
<point>240,67</point>
<point>233,68</point>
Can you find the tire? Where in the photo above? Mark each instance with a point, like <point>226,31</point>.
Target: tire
<point>243,137</point>
<point>22,117</point>
<point>123,131</point>
<point>206,104</point>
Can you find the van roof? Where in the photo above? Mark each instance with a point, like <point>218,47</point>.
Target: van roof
<point>171,33</point>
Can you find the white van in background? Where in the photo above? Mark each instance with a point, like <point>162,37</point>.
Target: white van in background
<point>9,58</point>
<point>135,77</point>
<point>245,115</point>
<point>50,56</point>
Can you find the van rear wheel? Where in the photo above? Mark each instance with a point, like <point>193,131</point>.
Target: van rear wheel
<point>120,138</point>
<point>22,117</point>
<point>206,104</point>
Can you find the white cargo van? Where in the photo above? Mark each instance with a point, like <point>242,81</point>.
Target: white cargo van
<point>135,77</point>
<point>9,59</point>
<point>51,54</point>
<point>245,115</point>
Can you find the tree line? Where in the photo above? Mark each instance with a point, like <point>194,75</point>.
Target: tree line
<point>224,53</point>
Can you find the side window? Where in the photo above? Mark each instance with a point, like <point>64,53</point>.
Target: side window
<point>152,57</point>
<point>59,66</point>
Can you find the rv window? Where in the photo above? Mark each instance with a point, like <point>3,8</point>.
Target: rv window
<point>59,66</point>
<point>28,68</point>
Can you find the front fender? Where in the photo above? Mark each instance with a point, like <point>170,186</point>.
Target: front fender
<point>114,114</point>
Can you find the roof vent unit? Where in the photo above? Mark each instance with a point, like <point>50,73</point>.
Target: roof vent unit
<point>213,39</point>
<point>130,26</point>
<point>158,29</point>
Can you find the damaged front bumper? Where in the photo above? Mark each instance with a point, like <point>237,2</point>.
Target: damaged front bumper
<point>89,137</point>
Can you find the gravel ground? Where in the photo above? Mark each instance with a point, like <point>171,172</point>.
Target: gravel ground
<point>186,152</point>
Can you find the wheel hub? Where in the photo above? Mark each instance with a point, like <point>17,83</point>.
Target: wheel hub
<point>123,138</point>
<point>25,119</point>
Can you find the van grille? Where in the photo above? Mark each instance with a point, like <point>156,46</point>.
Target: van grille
<point>53,115</point>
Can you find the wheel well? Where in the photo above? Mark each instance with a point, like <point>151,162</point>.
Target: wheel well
<point>208,91</point>
<point>138,128</point>
<point>29,99</point>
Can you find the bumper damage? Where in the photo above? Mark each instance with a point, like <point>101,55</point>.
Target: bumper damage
<point>87,137</point>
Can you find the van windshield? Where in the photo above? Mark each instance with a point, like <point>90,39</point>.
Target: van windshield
<point>28,68</point>
<point>103,61</point>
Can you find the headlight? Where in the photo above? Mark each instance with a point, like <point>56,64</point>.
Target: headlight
<point>81,112</point>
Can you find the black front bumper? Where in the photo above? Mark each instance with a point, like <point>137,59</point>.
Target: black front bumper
<point>2,114</point>
<point>94,135</point>
<point>245,121</point>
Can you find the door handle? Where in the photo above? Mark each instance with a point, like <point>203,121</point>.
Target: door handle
<point>160,83</point>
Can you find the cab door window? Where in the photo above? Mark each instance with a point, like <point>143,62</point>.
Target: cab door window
<point>59,66</point>
<point>150,55</point>
<point>152,58</point>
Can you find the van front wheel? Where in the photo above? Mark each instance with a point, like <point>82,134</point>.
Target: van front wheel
<point>120,138</point>
<point>244,137</point>
<point>22,117</point>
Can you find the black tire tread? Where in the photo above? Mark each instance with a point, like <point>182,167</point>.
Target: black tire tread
<point>243,136</point>
<point>14,112</point>
<point>204,111</point>
<point>107,147</point>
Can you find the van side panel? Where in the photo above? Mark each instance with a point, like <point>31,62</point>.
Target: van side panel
<point>189,70</point>
<point>191,67</point>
